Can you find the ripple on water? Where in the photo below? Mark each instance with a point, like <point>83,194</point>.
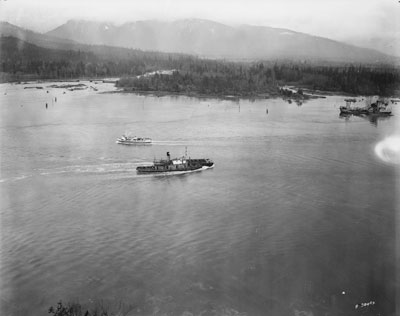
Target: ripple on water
<point>283,202</point>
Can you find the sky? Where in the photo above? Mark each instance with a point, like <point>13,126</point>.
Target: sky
<point>336,19</point>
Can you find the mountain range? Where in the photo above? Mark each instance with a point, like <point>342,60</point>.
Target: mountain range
<point>38,39</point>
<point>203,38</point>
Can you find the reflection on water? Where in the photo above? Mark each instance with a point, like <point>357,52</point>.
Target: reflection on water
<point>372,118</point>
<point>375,118</point>
<point>297,217</point>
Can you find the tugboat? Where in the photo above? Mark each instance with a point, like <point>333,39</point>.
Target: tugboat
<point>176,165</point>
<point>380,108</point>
<point>133,140</point>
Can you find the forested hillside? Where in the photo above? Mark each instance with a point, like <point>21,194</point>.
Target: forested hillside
<point>218,78</point>
<point>19,58</point>
<point>21,61</point>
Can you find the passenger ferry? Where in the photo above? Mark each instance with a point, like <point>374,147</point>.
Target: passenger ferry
<point>133,140</point>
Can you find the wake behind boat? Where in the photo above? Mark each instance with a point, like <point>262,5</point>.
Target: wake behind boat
<point>133,140</point>
<point>176,165</point>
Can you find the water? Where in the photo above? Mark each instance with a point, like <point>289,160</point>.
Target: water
<point>298,215</point>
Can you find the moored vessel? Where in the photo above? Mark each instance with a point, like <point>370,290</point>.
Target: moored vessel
<point>378,108</point>
<point>176,165</point>
<point>354,111</point>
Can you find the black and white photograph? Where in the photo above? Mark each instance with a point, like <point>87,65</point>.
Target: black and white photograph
<point>200,158</point>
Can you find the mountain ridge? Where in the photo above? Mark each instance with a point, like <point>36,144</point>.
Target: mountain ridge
<point>203,38</point>
<point>212,39</point>
<point>39,39</point>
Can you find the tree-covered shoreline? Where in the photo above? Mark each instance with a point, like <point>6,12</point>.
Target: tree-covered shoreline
<point>190,75</point>
<point>262,80</point>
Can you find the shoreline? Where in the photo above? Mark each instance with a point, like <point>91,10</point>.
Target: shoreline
<point>192,94</point>
<point>259,96</point>
<point>18,82</point>
<point>308,94</point>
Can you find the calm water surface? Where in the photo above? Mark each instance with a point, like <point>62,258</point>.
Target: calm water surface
<point>299,214</point>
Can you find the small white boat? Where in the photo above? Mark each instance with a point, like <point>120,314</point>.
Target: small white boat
<point>133,140</point>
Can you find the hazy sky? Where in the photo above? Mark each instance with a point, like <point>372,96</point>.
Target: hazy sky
<point>336,19</point>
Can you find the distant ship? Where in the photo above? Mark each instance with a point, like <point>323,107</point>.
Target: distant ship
<point>133,140</point>
<point>379,108</point>
<point>176,165</point>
